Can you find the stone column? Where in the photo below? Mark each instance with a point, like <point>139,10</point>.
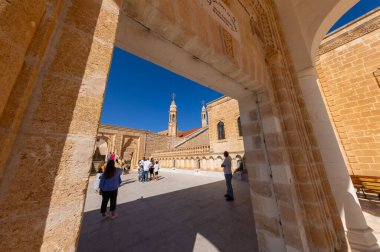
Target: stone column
<point>22,51</point>
<point>358,233</point>
<point>43,189</point>
<point>263,199</point>
<point>14,43</point>
<point>119,143</point>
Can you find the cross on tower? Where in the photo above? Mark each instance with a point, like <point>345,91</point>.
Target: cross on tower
<point>173,96</point>
<point>203,102</point>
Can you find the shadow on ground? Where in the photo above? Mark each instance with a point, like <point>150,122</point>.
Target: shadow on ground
<point>193,219</point>
<point>370,206</point>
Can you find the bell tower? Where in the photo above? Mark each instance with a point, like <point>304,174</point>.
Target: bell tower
<point>173,128</point>
<point>204,115</point>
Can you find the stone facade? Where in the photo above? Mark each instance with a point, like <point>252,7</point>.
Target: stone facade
<point>225,110</point>
<point>348,61</point>
<point>56,55</point>
<point>201,150</point>
<point>129,144</point>
<point>189,150</point>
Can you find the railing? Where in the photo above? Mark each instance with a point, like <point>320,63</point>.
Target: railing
<point>183,151</point>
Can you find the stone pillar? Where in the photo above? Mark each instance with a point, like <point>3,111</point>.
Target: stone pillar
<point>21,52</point>
<point>358,233</point>
<point>118,144</point>
<point>14,43</point>
<point>263,199</point>
<point>322,227</point>
<point>44,184</point>
<point>113,144</point>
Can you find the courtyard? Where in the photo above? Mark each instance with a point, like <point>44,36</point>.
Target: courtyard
<point>180,211</point>
<point>305,78</point>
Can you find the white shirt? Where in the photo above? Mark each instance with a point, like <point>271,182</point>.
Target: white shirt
<point>97,181</point>
<point>156,167</point>
<point>146,165</point>
<point>227,165</point>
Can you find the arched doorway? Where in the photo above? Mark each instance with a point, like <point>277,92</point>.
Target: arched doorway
<point>71,80</point>
<point>102,145</point>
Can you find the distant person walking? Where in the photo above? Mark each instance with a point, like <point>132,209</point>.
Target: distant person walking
<point>147,165</point>
<point>228,175</point>
<point>156,168</point>
<point>109,184</point>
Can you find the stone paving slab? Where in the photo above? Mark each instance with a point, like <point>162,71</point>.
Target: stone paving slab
<point>180,212</point>
<point>371,211</point>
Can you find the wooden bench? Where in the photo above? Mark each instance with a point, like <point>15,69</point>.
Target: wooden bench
<point>370,184</point>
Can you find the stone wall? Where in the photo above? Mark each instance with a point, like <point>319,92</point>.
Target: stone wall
<point>291,197</point>
<point>225,110</point>
<point>156,142</point>
<point>141,142</point>
<point>22,54</point>
<point>55,142</point>
<point>198,140</point>
<point>347,65</point>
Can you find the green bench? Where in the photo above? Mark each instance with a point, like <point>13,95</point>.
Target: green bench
<point>369,184</point>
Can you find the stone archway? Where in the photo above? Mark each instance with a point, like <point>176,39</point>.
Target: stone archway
<point>102,148</point>
<point>130,150</point>
<point>65,71</point>
<point>333,158</point>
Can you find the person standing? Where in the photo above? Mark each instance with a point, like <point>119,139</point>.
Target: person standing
<point>147,165</point>
<point>228,175</point>
<point>98,174</point>
<point>109,156</point>
<point>141,170</point>
<point>156,168</point>
<point>151,169</point>
<point>109,183</point>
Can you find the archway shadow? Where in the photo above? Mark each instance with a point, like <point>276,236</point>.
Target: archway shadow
<point>193,219</point>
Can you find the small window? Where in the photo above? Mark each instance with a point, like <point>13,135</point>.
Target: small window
<point>239,126</point>
<point>221,134</point>
<point>173,118</point>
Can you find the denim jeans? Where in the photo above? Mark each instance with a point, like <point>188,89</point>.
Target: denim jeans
<point>146,178</point>
<point>230,191</point>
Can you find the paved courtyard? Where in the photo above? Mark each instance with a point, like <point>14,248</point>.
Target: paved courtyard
<point>371,211</point>
<point>180,212</point>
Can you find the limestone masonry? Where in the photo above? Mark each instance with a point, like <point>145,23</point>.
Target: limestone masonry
<point>197,149</point>
<point>348,65</point>
<point>55,57</point>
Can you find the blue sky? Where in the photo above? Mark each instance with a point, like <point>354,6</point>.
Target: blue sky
<point>138,93</point>
<point>361,8</point>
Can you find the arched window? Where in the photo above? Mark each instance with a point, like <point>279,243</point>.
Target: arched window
<point>173,118</point>
<point>239,126</point>
<point>221,134</point>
